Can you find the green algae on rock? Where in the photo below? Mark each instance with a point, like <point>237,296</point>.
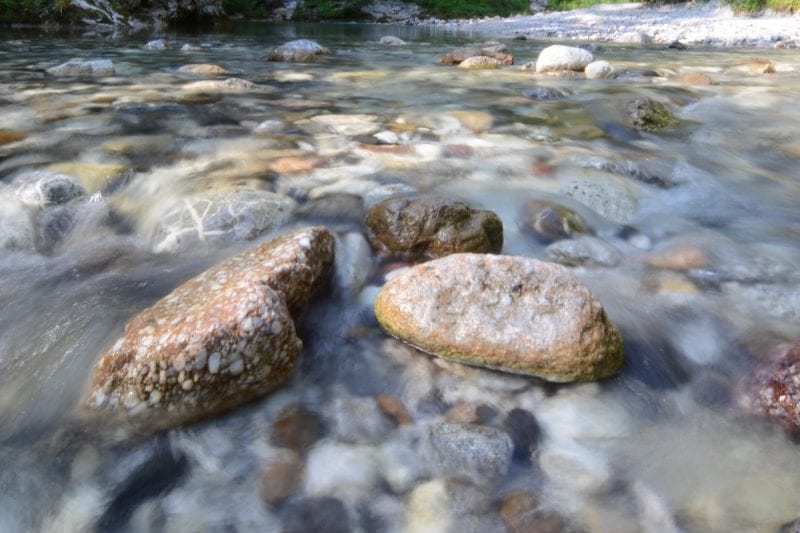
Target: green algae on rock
<point>509,313</point>
<point>221,339</point>
<point>650,115</point>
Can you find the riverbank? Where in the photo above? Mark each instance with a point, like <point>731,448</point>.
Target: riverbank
<point>708,24</point>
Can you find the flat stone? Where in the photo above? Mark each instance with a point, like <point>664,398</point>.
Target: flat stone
<point>583,250</point>
<point>521,513</point>
<point>230,85</point>
<point>11,136</point>
<point>297,429</point>
<point>391,40</point>
<point>479,62</point>
<point>510,313</point>
<point>221,339</point>
<point>559,57</point>
<point>202,69</point>
<point>282,478</point>
<point>461,54</point>
<point>299,51</point>
<point>82,67</point>
<point>480,453</point>
<point>680,258</point>
<point>212,218</point>
<point>432,227</point>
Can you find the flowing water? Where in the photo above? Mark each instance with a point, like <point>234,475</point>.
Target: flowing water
<point>661,447</point>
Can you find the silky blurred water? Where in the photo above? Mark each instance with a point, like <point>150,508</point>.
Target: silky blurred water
<point>725,180</point>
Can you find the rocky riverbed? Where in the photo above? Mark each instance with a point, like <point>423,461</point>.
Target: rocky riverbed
<point>637,24</point>
<point>327,277</point>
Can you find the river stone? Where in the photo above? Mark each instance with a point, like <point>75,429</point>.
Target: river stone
<point>221,86</point>
<point>157,44</point>
<point>202,69</point>
<point>461,54</point>
<point>479,62</point>
<point>583,250</point>
<point>480,453</point>
<point>82,67</point>
<point>550,221</point>
<point>43,188</point>
<point>431,226</point>
<point>391,40</point>
<point>221,339</point>
<point>509,313</point>
<point>298,51</point>
<point>544,93</point>
<point>217,217</point>
<point>650,115</point>
<point>559,57</point>
<point>598,69</point>
<point>774,388</point>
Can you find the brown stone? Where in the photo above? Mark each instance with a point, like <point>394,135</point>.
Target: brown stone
<point>550,221</point>
<point>480,62</point>
<point>773,389</point>
<point>520,512</point>
<point>202,69</point>
<point>471,413</point>
<point>10,136</point>
<point>432,226</point>
<point>402,149</point>
<point>290,165</point>
<point>298,429</point>
<point>696,78</point>
<point>394,408</point>
<point>461,54</point>
<point>509,313</point>
<point>281,478</point>
<point>221,339</point>
<point>678,258</point>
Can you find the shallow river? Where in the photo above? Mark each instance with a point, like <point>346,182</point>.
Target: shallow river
<point>702,237</point>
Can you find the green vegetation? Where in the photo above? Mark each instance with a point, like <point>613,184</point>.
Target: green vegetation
<point>566,5</point>
<point>29,10</point>
<point>473,8</point>
<point>330,9</point>
<point>757,6</point>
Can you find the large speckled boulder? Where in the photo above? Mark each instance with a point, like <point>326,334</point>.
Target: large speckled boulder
<point>430,226</point>
<point>509,313</point>
<point>773,389</point>
<point>222,338</point>
<point>214,217</point>
<point>559,57</point>
<point>298,51</point>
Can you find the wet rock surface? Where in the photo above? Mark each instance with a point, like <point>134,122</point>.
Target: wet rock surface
<point>544,322</point>
<point>428,227</point>
<point>83,67</point>
<point>650,115</point>
<point>549,221</point>
<point>210,218</point>
<point>774,388</point>
<point>299,51</point>
<point>457,56</point>
<point>479,453</point>
<point>558,57</point>
<point>193,354</point>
